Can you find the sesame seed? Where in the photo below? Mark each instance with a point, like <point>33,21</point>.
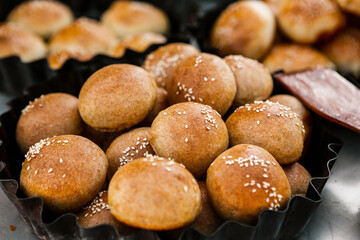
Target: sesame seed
<point>168,169</point>
<point>28,167</point>
<point>64,175</point>
<point>265,175</point>
<point>254,190</point>
<point>50,170</point>
<point>36,171</point>
<point>61,161</point>
<point>186,140</point>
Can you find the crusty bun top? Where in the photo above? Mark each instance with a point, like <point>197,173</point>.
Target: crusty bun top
<point>17,41</point>
<point>154,193</point>
<point>131,17</point>
<point>117,97</point>
<point>42,17</point>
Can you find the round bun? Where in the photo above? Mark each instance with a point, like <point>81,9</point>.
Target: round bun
<point>50,115</point>
<point>272,126</point>
<point>295,57</point>
<point>41,17</point>
<point>137,42</point>
<point>59,168</point>
<point>253,80</point>
<point>16,41</point>
<point>246,28</point>
<point>127,147</point>
<point>245,180</point>
<point>82,40</point>
<point>162,62</point>
<point>307,21</point>
<point>160,104</point>
<point>117,97</point>
<point>351,6</point>
<point>132,17</point>
<point>203,78</point>
<point>154,193</point>
<point>98,212</point>
<point>297,106</point>
<point>298,178</point>
<point>344,51</point>
<point>190,133</point>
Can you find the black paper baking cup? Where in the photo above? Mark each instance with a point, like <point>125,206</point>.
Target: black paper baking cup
<point>16,75</point>
<point>285,224</point>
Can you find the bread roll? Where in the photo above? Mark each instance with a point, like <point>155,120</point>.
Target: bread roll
<point>16,41</point>
<point>246,28</point>
<point>352,6</point>
<point>41,17</point>
<point>154,193</point>
<point>295,57</point>
<point>82,40</point>
<point>117,97</point>
<point>162,62</point>
<point>253,80</point>
<point>59,168</point>
<point>298,178</point>
<point>245,180</point>
<point>47,116</point>
<point>308,21</point>
<point>344,51</point>
<point>190,133</point>
<point>272,126</point>
<point>203,78</point>
<point>127,147</point>
<point>133,17</point>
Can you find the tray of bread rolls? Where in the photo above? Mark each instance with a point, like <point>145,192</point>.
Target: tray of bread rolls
<point>187,138</point>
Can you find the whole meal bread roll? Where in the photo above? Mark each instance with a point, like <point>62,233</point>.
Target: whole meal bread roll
<point>190,133</point>
<point>298,178</point>
<point>132,17</point>
<point>352,6</point>
<point>162,62</point>
<point>295,57</point>
<point>82,40</point>
<point>246,28</point>
<point>47,116</point>
<point>17,41</point>
<point>59,168</point>
<point>344,50</point>
<point>308,21</point>
<point>98,212</point>
<point>253,80</point>
<point>272,126</point>
<point>204,78</point>
<point>127,147</point>
<point>245,180</point>
<point>154,193</point>
<point>41,17</point>
<point>117,97</point>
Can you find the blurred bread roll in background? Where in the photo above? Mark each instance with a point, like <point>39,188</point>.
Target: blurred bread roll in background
<point>41,17</point>
<point>246,28</point>
<point>352,6</point>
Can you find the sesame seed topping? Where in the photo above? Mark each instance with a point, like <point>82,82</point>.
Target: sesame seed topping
<point>36,171</point>
<point>50,170</point>
<point>186,140</point>
<point>64,175</point>
<point>61,161</point>
<point>185,188</point>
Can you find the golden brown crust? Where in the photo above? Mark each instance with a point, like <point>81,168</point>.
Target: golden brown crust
<point>344,51</point>
<point>295,57</point>
<point>127,147</point>
<point>298,178</point>
<point>154,193</point>
<point>82,40</point>
<point>50,115</point>
<point>253,80</point>
<point>117,97</point>
<point>190,133</point>
<point>352,6</point>
<point>246,28</point>
<point>272,126</point>
<point>203,78</point>
<point>127,17</point>
<point>161,103</point>
<point>137,42</point>
<point>98,212</point>
<point>59,168</point>
<point>41,17</point>
<point>17,41</point>
<point>307,21</point>
<point>162,62</point>
<point>245,180</point>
